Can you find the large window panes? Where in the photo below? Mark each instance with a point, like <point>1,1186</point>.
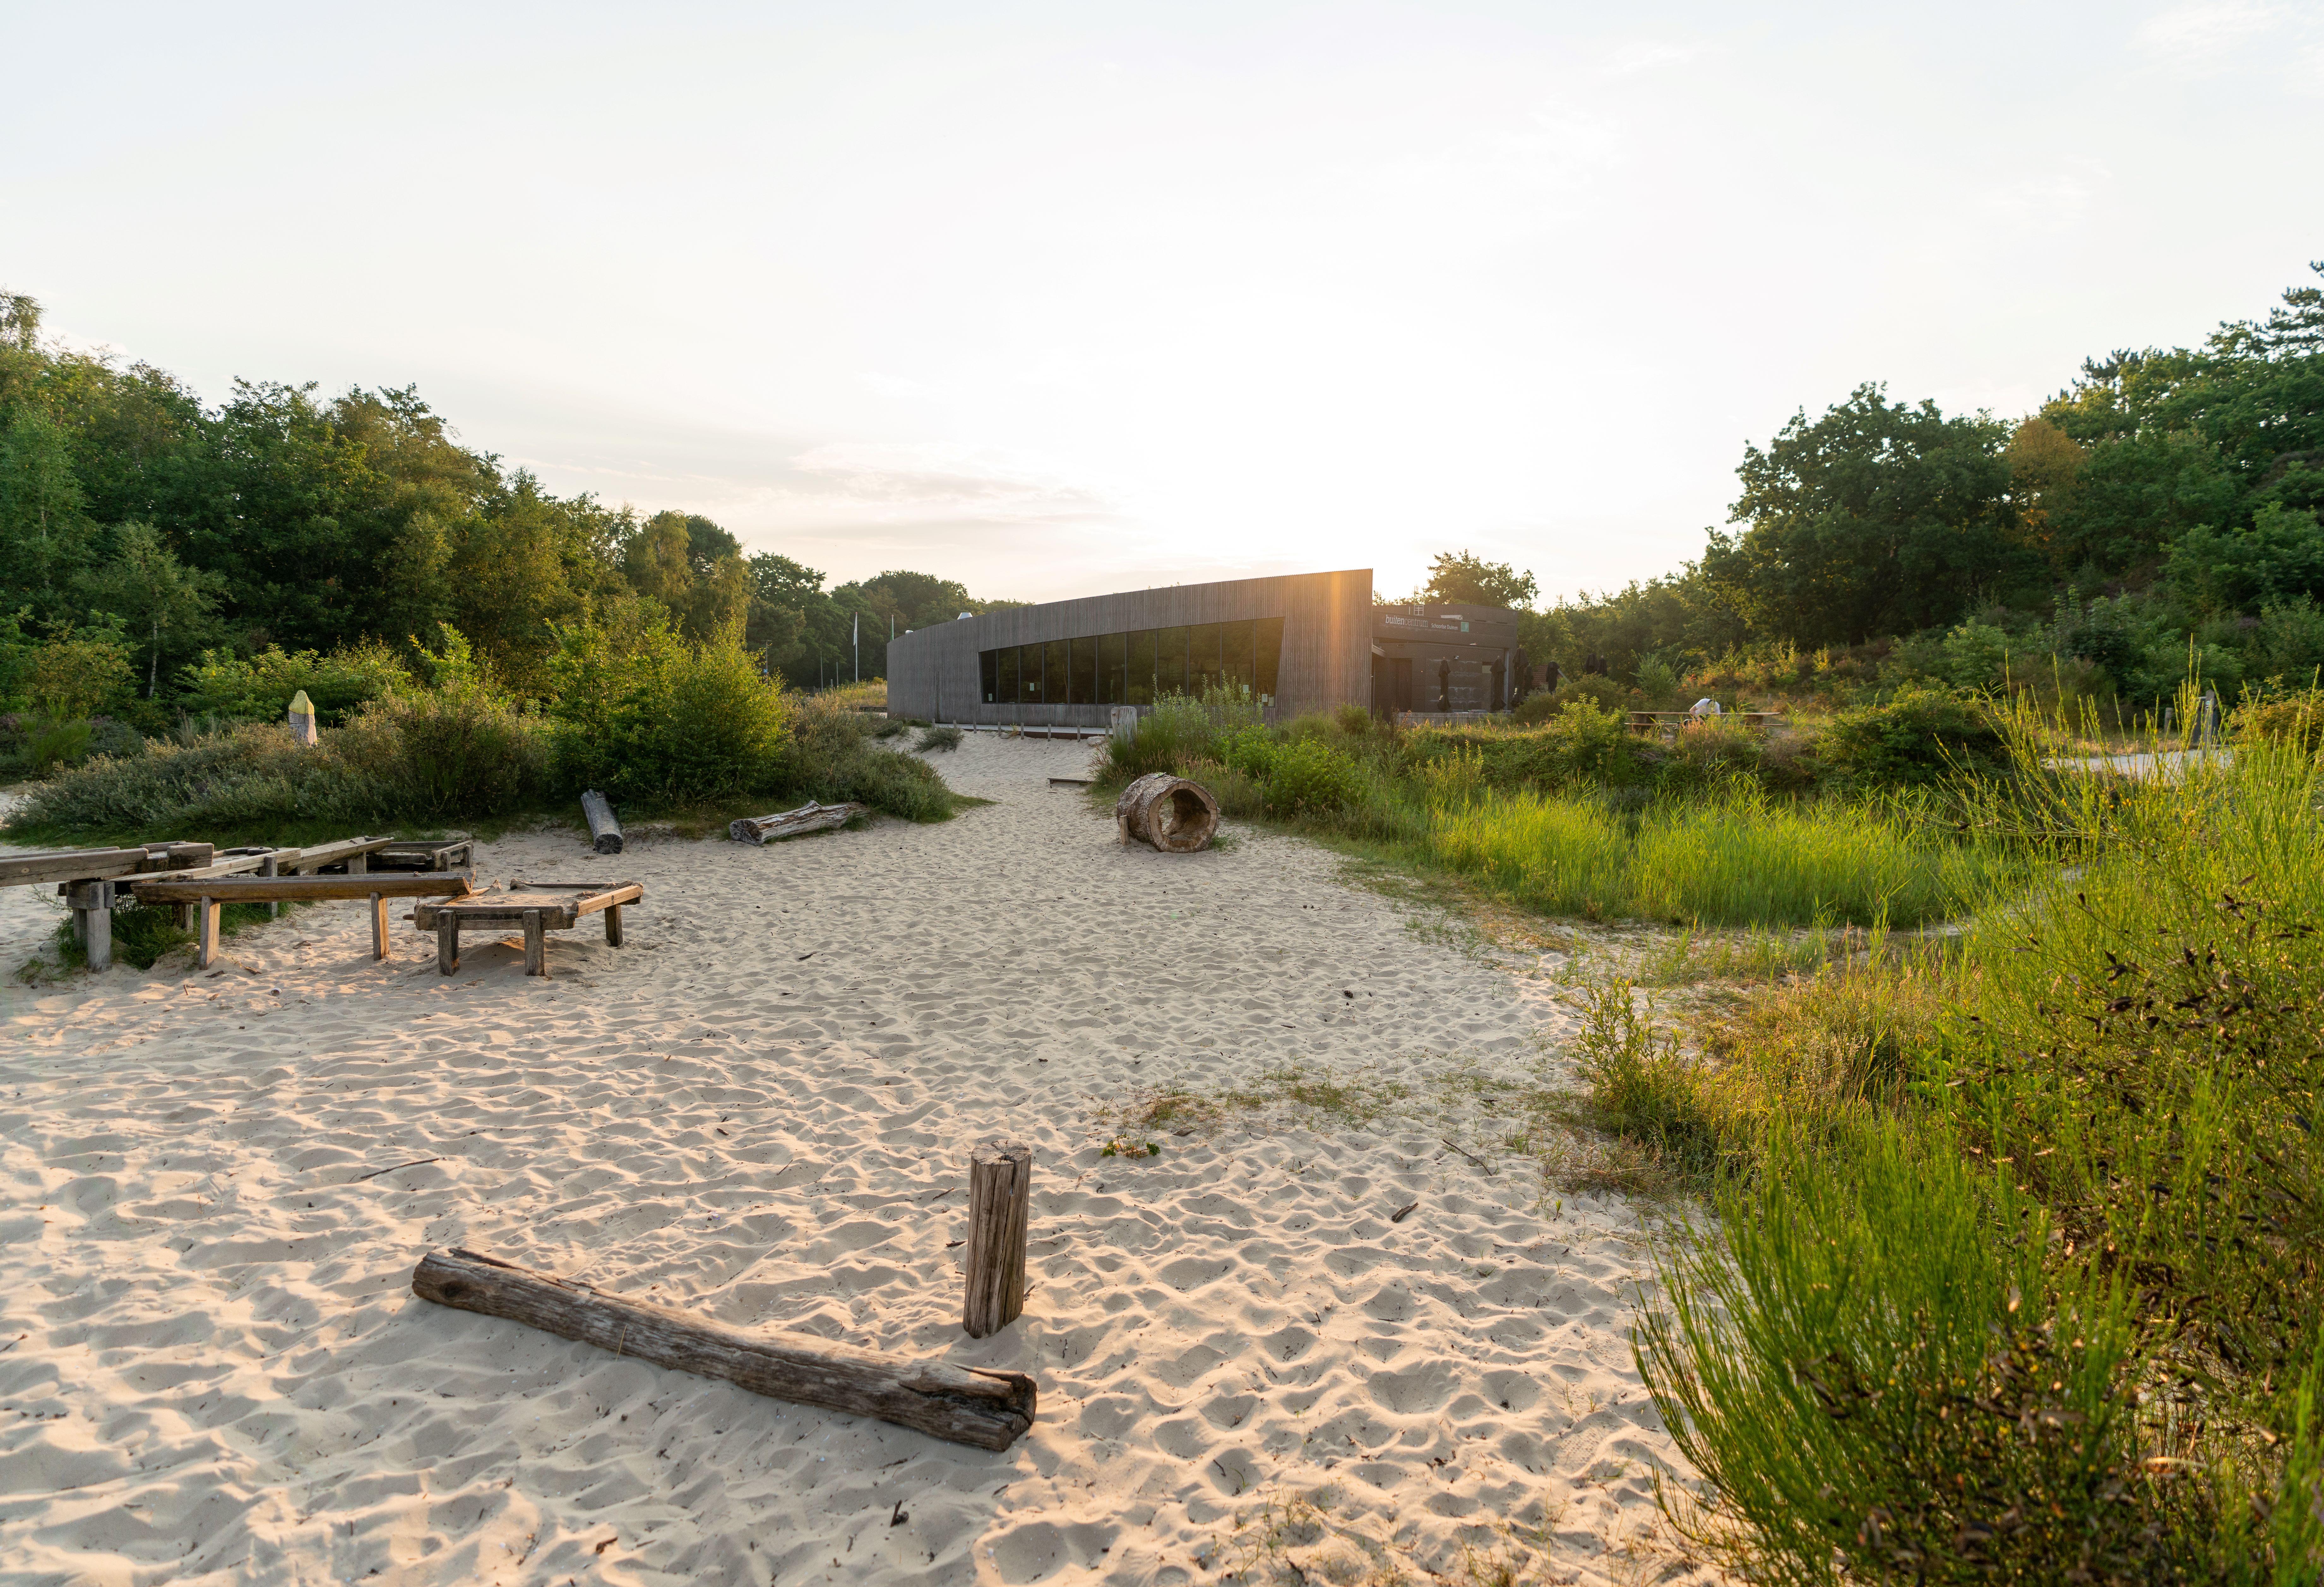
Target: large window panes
<point>1235,659</point>
<point>1142,670</point>
<point>1053,672</point>
<point>1081,672</point>
<point>1004,673</point>
<point>1113,670</point>
<point>1170,662</point>
<point>1203,658</point>
<point>1028,675</point>
<point>988,682</point>
<point>1267,665</point>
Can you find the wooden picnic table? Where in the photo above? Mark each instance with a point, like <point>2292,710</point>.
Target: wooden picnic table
<point>210,894</point>
<point>537,907</point>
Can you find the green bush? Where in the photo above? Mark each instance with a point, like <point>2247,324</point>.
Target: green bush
<point>932,739</point>
<point>831,755</point>
<point>258,689</point>
<point>1921,737</point>
<point>1307,778</point>
<point>253,780</point>
<point>644,715</point>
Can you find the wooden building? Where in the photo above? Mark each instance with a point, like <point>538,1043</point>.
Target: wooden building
<point>1307,642</point>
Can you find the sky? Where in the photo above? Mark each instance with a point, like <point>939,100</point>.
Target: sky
<point>1059,300</point>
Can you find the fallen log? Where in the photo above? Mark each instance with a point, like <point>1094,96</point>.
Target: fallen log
<point>299,889</point>
<point>974,1406</point>
<point>1175,816</point>
<point>809,817</point>
<point>605,830</point>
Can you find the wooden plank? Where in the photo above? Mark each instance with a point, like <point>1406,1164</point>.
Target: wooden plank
<point>233,865</point>
<point>71,865</point>
<point>379,925</point>
<point>536,945</point>
<point>206,941</point>
<point>305,889</point>
<point>451,855</point>
<point>984,1408</point>
<point>999,1200</point>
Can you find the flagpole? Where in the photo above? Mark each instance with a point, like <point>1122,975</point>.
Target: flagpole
<point>859,647</point>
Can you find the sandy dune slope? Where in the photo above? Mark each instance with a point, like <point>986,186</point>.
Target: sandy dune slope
<point>212,1368</point>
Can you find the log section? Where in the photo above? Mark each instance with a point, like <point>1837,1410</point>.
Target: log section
<point>1175,816</point>
<point>604,829</point>
<point>988,1410</point>
<point>807,817</point>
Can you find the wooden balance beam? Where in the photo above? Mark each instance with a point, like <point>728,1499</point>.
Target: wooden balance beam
<point>537,907</point>
<point>210,894</point>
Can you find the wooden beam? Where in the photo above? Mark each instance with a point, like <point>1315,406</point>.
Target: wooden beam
<point>536,945</point>
<point>973,1406</point>
<point>408,884</point>
<point>206,927</point>
<point>71,865</point>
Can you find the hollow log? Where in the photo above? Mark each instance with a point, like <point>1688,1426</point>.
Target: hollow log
<point>987,1408</point>
<point>807,817</point>
<point>1000,1202</point>
<point>605,830</point>
<point>1175,816</point>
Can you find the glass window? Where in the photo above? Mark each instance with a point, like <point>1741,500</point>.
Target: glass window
<point>988,666</point>
<point>1142,670</point>
<point>1235,654</point>
<point>1203,658</point>
<point>1170,662</point>
<point>1005,674</point>
<point>1113,670</point>
<point>1268,664</point>
<point>1081,672</point>
<point>1053,673</point>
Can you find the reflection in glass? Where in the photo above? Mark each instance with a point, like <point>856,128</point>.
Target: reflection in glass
<point>1113,670</point>
<point>1235,653</point>
<point>1270,663</point>
<point>1053,673</point>
<point>1081,672</point>
<point>988,666</point>
<point>1203,658</point>
<point>1141,668</point>
<point>1170,662</point>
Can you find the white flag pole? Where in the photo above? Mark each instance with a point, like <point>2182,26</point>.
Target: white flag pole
<point>859,647</point>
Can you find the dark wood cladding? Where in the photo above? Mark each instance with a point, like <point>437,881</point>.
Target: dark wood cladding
<point>1327,624</point>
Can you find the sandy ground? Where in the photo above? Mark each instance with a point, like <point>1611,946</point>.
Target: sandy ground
<point>212,1368</point>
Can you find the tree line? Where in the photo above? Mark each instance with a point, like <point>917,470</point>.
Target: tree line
<point>138,522</point>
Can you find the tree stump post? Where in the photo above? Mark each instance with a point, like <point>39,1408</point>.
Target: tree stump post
<point>206,933</point>
<point>379,925</point>
<point>447,942</point>
<point>1000,1198</point>
<point>536,944</point>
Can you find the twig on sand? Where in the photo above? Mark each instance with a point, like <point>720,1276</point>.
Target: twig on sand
<point>376,1173</point>
<point>1472,1157</point>
<point>1402,1212</point>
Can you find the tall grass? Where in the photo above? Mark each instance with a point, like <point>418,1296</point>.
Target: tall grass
<point>2019,1271</point>
<point>1734,858</point>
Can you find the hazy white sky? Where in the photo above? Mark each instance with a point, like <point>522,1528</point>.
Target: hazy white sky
<point>1058,299</point>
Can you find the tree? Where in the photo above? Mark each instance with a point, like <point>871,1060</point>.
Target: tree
<point>1456,578</point>
<point>145,586</point>
<point>1877,518</point>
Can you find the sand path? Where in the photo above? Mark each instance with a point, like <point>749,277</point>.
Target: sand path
<point>212,1368</point>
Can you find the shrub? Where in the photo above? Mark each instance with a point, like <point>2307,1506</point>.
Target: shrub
<point>644,715</point>
<point>829,755</point>
<point>1304,777</point>
<point>1920,738</point>
<point>2284,718</point>
<point>251,780</point>
<point>258,689</point>
<point>73,676</point>
<point>946,738</point>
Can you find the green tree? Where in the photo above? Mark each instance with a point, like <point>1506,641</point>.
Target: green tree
<point>154,595</point>
<point>1878,517</point>
<point>1456,578</point>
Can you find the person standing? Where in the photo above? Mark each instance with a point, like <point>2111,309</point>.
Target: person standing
<point>1444,683</point>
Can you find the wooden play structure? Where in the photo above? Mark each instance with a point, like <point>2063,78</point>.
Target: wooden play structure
<point>536,907</point>
<point>199,880</point>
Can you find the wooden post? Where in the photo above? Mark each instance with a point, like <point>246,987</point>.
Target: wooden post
<point>447,942</point>
<point>267,868</point>
<point>378,925</point>
<point>358,864</point>
<point>206,946</point>
<point>92,917</point>
<point>612,926</point>
<point>536,945</point>
<point>999,1197</point>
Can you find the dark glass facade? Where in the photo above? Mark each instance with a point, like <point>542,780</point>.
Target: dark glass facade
<point>1135,668</point>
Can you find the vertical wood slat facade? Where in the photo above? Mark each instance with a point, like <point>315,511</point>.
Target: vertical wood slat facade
<point>933,675</point>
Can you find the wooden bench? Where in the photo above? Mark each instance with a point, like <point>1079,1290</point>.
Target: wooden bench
<point>208,894</point>
<point>537,907</point>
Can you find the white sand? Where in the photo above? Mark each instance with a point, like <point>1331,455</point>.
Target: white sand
<point>212,1368</point>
